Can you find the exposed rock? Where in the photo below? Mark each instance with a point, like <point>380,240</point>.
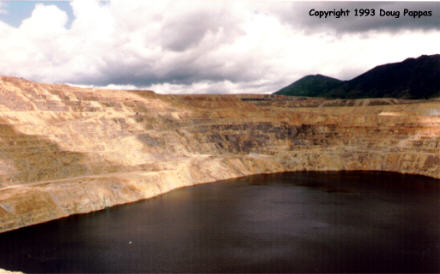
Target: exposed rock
<point>66,150</point>
<point>3,271</point>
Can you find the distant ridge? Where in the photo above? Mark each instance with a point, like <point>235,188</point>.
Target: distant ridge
<point>311,85</point>
<point>413,78</point>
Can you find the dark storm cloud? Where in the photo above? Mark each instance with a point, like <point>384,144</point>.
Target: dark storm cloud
<point>187,40</point>
<point>179,36</point>
<point>190,46</point>
<point>297,14</point>
<point>182,72</point>
<point>186,31</point>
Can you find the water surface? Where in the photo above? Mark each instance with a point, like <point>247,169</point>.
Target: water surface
<point>297,222</point>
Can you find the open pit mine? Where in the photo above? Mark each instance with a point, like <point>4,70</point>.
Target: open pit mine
<point>66,150</point>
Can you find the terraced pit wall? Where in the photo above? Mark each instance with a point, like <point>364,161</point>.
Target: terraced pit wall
<point>67,150</point>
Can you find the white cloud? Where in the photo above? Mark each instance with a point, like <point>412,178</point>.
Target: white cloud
<point>2,7</point>
<point>190,46</point>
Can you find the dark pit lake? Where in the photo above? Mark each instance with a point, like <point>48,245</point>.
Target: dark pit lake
<point>292,222</point>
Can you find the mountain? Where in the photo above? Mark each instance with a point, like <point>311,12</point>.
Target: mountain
<point>311,85</point>
<point>413,78</point>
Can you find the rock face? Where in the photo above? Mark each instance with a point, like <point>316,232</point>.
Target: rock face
<point>66,150</point>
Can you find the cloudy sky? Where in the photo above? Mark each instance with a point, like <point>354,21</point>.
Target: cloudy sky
<point>204,46</point>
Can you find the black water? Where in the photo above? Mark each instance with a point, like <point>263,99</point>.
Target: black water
<point>298,222</point>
